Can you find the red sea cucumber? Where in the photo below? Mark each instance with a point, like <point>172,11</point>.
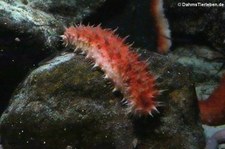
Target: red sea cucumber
<point>161,25</point>
<point>212,110</point>
<point>120,64</point>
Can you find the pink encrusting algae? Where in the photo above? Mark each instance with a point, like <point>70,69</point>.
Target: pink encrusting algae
<point>119,63</point>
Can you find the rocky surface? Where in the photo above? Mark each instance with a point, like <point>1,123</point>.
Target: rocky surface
<point>202,25</point>
<point>206,65</point>
<point>65,103</point>
<point>29,33</point>
<point>44,19</point>
<point>38,24</point>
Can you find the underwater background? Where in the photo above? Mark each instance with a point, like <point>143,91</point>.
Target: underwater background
<point>51,97</point>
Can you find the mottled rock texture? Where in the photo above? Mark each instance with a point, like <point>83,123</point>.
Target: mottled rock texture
<point>44,19</point>
<point>66,103</point>
<point>202,25</point>
<point>29,32</point>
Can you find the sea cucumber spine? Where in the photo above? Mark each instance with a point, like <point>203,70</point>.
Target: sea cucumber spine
<point>120,64</point>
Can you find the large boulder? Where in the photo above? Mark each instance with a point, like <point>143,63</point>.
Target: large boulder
<point>65,103</point>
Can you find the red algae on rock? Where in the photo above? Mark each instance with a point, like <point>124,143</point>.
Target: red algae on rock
<point>119,63</point>
<point>212,110</point>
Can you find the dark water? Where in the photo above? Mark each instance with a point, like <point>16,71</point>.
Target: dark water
<point>18,55</point>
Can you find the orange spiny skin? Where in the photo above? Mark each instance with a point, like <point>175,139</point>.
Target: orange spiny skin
<point>119,63</point>
<point>212,110</point>
<point>161,25</point>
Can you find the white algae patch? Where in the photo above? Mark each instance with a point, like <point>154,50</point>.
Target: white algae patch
<point>211,130</point>
<point>204,90</point>
<point>200,65</point>
<point>20,13</point>
<point>54,62</point>
<point>200,59</point>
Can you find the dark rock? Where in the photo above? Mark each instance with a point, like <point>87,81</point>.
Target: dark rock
<point>202,25</point>
<point>204,62</point>
<point>206,65</point>
<point>66,10</point>
<point>29,32</point>
<point>44,19</point>
<point>56,109</point>
<point>66,104</point>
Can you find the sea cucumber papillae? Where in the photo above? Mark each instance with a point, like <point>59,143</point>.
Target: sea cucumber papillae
<point>120,64</point>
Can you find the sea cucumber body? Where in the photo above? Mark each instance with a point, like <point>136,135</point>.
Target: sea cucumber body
<point>161,26</point>
<point>212,110</point>
<point>120,64</point>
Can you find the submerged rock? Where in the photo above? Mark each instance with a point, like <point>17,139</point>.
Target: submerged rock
<point>206,65</point>
<point>29,32</point>
<point>44,19</point>
<point>193,21</point>
<point>66,104</point>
